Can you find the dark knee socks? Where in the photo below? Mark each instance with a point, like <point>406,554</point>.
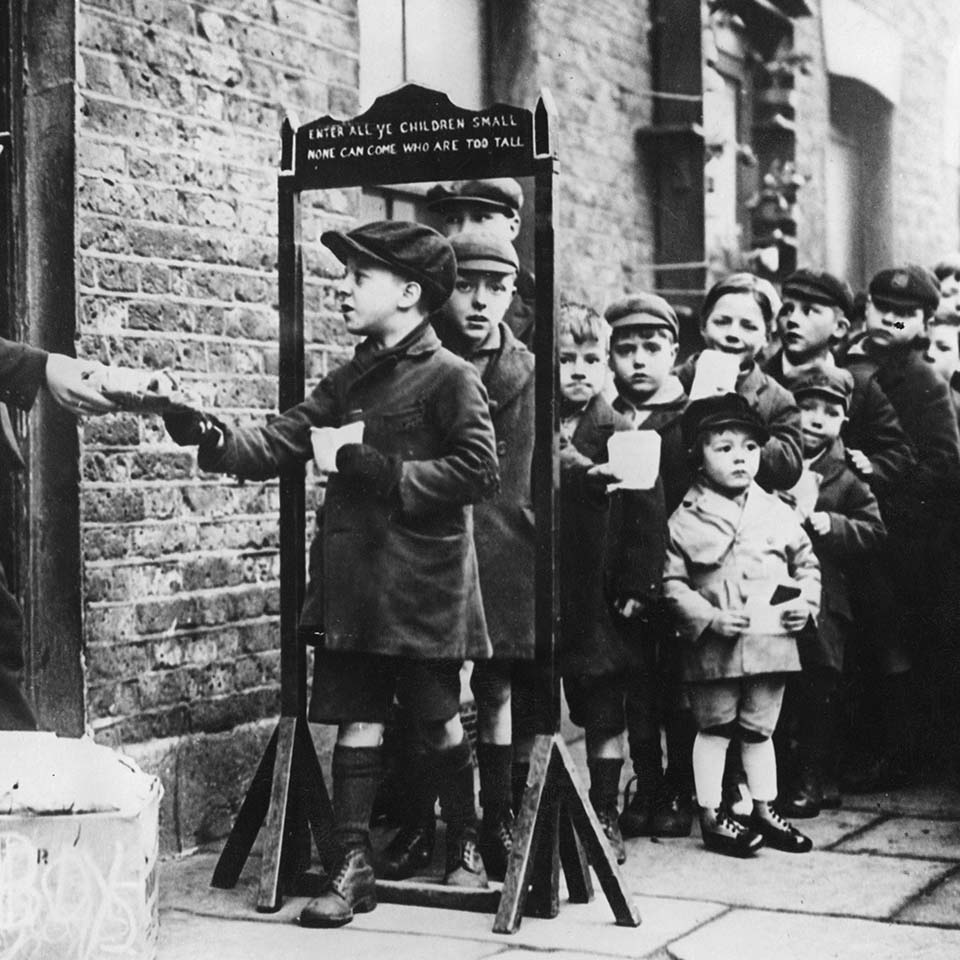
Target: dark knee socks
<point>495,762</point>
<point>454,780</point>
<point>604,782</point>
<point>356,774</point>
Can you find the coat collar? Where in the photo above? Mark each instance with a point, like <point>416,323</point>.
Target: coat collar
<point>831,463</point>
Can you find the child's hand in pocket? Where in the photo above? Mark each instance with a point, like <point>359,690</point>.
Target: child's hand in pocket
<point>819,523</point>
<point>794,616</point>
<point>730,623</point>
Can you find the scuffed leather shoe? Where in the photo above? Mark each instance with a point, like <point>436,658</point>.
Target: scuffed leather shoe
<point>780,834</point>
<point>409,852</point>
<point>350,890</point>
<point>730,837</point>
<point>610,822</point>
<point>638,808</point>
<point>464,866</point>
<point>495,843</point>
<point>672,812</point>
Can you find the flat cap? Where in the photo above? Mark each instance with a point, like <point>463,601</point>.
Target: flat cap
<point>484,250</point>
<point>502,193</point>
<point>910,286</point>
<point>949,266</point>
<point>411,250</point>
<point>832,382</point>
<point>721,410</point>
<point>642,310</point>
<point>818,286</point>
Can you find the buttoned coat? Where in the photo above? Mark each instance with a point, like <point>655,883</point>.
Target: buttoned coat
<point>872,426</point>
<point>610,546</point>
<point>856,530</point>
<point>717,547</point>
<point>503,528</point>
<point>393,576</point>
<point>781,460</point>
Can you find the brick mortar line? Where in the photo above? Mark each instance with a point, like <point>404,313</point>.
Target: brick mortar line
<point>107,723</point>
<point>151,522</point>
<point>94,254</point>
<point>188,301</point>
<point>176,558</point>
<point>145,638</point>
<point>183,594</point>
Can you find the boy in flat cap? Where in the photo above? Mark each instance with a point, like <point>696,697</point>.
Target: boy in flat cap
<point>611,559</point>
<point>813,321</point>
<point>643,350</point>
<point>900,612</point>
<point>492,204</point>
<point>947,272</point>
<point>845,526</point>
<point>393,601</point>
<point>471,324</point>
<point>735,551</point>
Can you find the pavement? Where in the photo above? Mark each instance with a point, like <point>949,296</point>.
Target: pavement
<point>882,883</point>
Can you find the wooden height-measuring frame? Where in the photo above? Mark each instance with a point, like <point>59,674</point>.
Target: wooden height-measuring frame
<point>418,135</point>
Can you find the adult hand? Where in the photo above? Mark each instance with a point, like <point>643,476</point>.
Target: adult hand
<point>188,427</point>
<point>73,384</point>
<point>860,462</point>
<point>730,623</point>
<point>600,476</point>
<point>819,523</point>
<point>795,616</point>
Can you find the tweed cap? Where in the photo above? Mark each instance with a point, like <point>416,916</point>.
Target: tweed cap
<point>501,193</point>
<point>910,286</point>
<point>835,383</point>
<point>485,251</point>
<point>642,310</point>
<point>411,250</point>
<point>721,410</point>
<point>818,286</point>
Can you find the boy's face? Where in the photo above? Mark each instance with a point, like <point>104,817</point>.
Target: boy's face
<point>370,297</point>
<point>944,349</point>
<point>736,325</point>
<point>583,369</point>
<point>821,420</point>
<point>731,458</point>
<point>950,295</point>
<point>465,216</point>
<point>641,359</point>
<point>806,328</point>
<point>888,325</point>
<point>479,301</point>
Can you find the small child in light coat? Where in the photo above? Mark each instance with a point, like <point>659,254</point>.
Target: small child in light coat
<point>743,581</point>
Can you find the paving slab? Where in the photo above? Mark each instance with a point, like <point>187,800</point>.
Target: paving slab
<point>931,800</point>
<point>184,888</point>
<point>189,937</point>
<point>861,885</point>
<point>832,826</point>
<point>908,837</point>
<point>939,904</point>
<point>754,935</point>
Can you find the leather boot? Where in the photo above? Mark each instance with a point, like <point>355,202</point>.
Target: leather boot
<point>723,834</point>
<point>496,842</point>
<point>804,798</point>
<point>776,832</point>
<point>604,790</point>
<point>638,803</point>
<point>464,864</point>
<point>351,889</point>
<point>410,851</point>
<point>673,808</point>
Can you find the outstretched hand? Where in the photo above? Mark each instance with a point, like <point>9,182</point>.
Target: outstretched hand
<point>74,384</point>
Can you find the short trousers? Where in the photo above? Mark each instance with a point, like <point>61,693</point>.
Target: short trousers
<point>598,704</point>
<point>753,702</point>
<point>530,694</point>
<point>360,687</point>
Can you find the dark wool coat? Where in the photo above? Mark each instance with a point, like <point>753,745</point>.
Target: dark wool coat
<point>872,426</point>
<point>718,550</point>
<point>21,374</point>
<point>856,529</point>
<point>521,315</point>
<point>921,398</point>
<point>503,526</point>
<point>610,546</point>
<point>397,576</point>
<point>676,468</point>
<point>781,460</point>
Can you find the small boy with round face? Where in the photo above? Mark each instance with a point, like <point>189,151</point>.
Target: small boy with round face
<point>733,548</point>
<point>947,272</point>
<point>845,526</point>
<point>813,322</point>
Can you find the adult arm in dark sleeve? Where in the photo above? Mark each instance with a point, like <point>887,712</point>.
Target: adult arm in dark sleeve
<point>857,527</point>
<point>22,371</point>
<point>781,460</point>
<point>876,431</point>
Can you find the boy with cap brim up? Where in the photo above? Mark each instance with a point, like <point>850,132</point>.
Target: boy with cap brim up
<point>393,600</point>
<point>644,336</point>
<point>471,324</point>
<point>743,581</point>
<point>493,205</point>
<point>901,613</point>
<point>610,552</point>
<point>845,526</point>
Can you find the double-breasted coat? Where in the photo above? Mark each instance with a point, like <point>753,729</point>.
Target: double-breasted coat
<point>856,529</point>
<point>503,527</point>
<point>718,550</point>
<point>781,460</point>
<point>393,576</point>
<point>610,546</point>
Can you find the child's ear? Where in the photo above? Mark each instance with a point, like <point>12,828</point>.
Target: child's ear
<point>411,294</point>
<point>842,327</point>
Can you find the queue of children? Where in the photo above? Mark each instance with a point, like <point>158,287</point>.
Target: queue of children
<point>710,620</point>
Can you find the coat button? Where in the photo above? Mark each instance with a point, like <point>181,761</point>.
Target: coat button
<point>501,448</point>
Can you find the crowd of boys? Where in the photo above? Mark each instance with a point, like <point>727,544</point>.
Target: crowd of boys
<point>781,594</point>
